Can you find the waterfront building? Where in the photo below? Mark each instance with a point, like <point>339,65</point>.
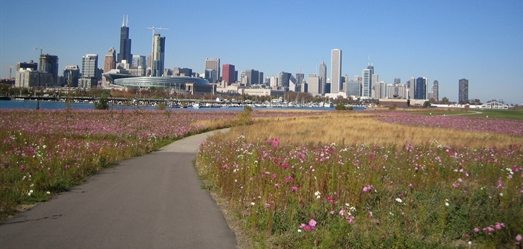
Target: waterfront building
<point>181,84</point>
<point>213,64</point>
<point>463,94</point>
<point>125,42</point>
<point>420,90</point>
<point>336,64</point>
<point>323,77</point>
<point>229,73</point>
<point>27,65</point>
<point>26,78</point>
<point>89,74</point>
<point>49,64</point>
<point>158,55</point>
<point>71,75</point>
<point>89,65</point>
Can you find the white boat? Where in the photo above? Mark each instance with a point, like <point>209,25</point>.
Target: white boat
<point>196,105</point>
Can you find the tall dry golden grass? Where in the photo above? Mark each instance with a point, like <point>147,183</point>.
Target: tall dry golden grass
<point>356,128</point>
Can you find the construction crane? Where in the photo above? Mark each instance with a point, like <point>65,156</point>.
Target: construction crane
<point>154,29</point>
<point>41,50</point>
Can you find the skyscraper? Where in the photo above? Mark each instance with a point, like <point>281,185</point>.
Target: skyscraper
<point>89,65</point>
<point>71,75</point>
<point>213,64</point>
<point>435,90</point>
<point>229,73</point>
<point>89,71</point>
<point>366,89</point>
<point>125,42</point>
<point>420,91</point>
<point>284,79</point>
<point>322,77</point>
<point>49,64</point>
<point>158,55</point>
<point>139,61</point>
<point>110,60</point>
<point>336,60</point>
<point>463,91</point>
<point>368,77</point>
<point>313,82</point>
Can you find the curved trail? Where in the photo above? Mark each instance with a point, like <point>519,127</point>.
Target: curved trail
<point>153,201</point>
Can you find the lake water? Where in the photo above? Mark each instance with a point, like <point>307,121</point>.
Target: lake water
<point>55,105</point>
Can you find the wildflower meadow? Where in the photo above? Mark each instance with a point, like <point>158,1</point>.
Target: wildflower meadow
<point>44,152</point>
<point>289,194</point>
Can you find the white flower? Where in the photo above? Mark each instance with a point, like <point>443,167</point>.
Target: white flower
<point>399,200</point>
<point>299,230</point>
<point>44,146</point>
<point>48,192</point>
<point>447,202</point>
<point>252,203</point>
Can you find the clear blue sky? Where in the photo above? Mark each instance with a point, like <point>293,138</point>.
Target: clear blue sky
<point>439,39</point>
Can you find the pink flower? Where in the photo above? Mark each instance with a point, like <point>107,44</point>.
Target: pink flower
<point>477,230</point>
<point>519,238</point>
<point>350,219</point>
<point>294,188</point>
<point>310,226</point>
<point>330,199</point>
<point>275,142</point>
<point>367,188</point>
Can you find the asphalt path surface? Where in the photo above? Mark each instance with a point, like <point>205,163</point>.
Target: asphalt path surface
<point>153,201</point>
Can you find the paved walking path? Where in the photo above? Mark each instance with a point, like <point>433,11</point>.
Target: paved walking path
<point>153,201</point>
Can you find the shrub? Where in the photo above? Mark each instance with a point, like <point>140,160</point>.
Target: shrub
<point>102,103</point>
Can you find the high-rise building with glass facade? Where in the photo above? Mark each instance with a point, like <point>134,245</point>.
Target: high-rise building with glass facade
<point>366,89</point>
<point>213,64</point>
<point>322,77</point>
<point>125,42</point>
<point>71,75</point>
<point>229,73</point>
<point>158,55</point>
<point>435,90</point>
<point>336,60</point>
<point>89,66</point>
<point>420,90</point>
<point>463,91</point>
<point>49,64</point>
<point>110,60</point>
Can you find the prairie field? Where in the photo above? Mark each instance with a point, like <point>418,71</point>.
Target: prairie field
<point>370,180</point>
<point>45,152</point>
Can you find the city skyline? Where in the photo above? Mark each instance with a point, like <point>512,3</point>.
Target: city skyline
<point>477,41</point>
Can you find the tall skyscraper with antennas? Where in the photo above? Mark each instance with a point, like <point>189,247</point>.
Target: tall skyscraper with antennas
<point>125,42</point>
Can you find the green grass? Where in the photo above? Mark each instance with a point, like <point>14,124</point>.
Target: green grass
<point>516,114</point>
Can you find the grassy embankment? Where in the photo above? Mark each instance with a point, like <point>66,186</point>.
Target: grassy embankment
<point>351,181</point>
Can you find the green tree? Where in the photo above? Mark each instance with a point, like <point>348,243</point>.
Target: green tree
<point>102,103</point>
